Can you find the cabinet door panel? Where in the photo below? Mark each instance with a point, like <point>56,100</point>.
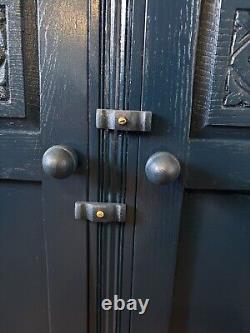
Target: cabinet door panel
<point>212,288</point>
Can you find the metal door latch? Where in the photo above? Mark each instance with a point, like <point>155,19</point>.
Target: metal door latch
<point>100,211</point>
<point>124,120</point>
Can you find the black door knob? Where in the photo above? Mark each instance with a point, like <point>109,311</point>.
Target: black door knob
<point>162,168</point>
<point>59,161</point>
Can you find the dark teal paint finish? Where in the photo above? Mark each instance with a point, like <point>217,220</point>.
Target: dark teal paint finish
<point>23,290</point>
<point>211,158</point>
<point>133,55</point>
<point>44,253</point>
<point>212,289</point>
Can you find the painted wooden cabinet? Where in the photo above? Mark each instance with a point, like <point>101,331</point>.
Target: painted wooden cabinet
<point>184,245</point>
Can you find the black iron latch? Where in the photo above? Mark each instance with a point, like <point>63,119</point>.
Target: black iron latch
<point>124,120</point>
<point>103,212</point>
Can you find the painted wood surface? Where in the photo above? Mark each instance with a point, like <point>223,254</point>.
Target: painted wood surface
<point>186,61</point>
<point>44,258</point>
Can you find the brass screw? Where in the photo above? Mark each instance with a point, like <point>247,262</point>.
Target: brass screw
<point>100,214</point>
<point>122,121</point>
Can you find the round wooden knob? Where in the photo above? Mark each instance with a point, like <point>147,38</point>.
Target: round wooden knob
<point>162,168</point>
<point>59,161</point>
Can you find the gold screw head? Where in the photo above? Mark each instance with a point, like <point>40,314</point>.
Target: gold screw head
<point>122,121</point>
<point>100,214</point>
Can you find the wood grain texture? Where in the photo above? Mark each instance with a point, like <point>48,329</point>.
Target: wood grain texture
<point>63,63</point>
<point>237,84</point>
<point>23,304</point>
<point>4,75</point>
<point>94,39</point>
<point>226,67</point>
<point>20,139</point>
<point>107,260</point>
<point>166,91</point>
<point>205,58</point>
<point>220,92</point>
<point>119,85</point>
<point>218,164</point>
<point>60,304</point>
<point>21,156</point>
<point>14,104</point>
<point>134,55</point>
<point>27,37</point>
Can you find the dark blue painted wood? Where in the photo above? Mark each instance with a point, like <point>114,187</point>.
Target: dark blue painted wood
<point>212,290</point>
<point>63,54</point>
<point>44,253</point>
<point>165,91</point>
<point>168,57</point>
<point>23,288</point>
<point>211,158</point>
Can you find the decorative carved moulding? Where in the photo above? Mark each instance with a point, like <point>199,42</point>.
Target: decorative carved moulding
<point>19,65</point>
<point>237,85</point>
<point>4,80</point>
<point>221,93</point>
<point>12,101</point>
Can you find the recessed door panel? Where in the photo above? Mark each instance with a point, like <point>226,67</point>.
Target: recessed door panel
<point>212,286</point>
<point>23,285</point>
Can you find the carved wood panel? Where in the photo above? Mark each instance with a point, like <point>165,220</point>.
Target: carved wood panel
<point>238,76</point>
<point>4,77</point>
<point>221,92</point>
<point>18,59</point>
